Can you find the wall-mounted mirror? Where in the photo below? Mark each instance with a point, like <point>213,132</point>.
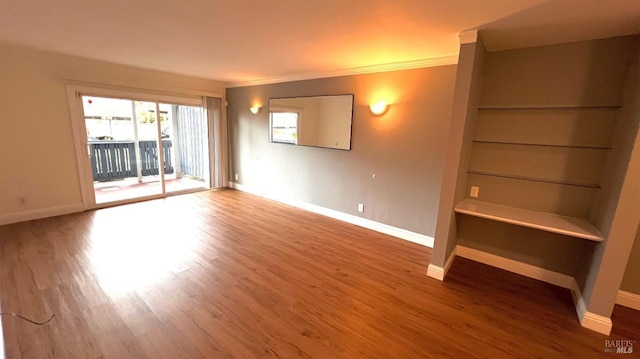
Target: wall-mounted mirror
<point>319,121</point>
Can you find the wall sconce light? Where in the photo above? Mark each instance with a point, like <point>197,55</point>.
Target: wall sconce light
<point>255,110</point>
<point>379,108</point>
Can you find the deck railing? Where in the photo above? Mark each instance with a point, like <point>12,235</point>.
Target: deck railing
<point>111,160</point>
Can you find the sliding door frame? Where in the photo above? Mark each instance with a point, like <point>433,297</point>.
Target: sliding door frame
<point>85,176</point>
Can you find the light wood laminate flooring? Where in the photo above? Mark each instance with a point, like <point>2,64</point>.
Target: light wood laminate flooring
<point>224,274</point>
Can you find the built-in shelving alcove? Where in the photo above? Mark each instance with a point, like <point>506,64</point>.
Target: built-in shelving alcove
<point>543,131</point>
<point>539,167</point>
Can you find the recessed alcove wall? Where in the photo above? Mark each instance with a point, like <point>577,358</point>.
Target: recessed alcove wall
<point>543,135</point>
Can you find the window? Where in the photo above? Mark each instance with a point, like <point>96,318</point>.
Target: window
<point>284,127</point>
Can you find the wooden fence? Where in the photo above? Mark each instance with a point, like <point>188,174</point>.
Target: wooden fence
<point>113,160</point>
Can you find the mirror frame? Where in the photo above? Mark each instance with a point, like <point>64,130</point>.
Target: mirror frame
<point>270,127</point>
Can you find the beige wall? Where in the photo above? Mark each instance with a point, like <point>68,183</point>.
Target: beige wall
<point>37,154</point>
<point>586,73</point>
<point>405,147</point>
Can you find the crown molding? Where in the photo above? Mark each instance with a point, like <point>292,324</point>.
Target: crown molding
<point>394,66</point>
<point>468,37</point>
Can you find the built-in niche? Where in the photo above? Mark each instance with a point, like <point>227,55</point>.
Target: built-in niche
<point>542,137</point>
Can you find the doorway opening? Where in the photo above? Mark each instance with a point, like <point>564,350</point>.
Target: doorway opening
<point>124,138</point>
<point>142,146</point>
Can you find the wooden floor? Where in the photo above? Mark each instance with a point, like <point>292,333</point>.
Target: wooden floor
<point>227,274</point>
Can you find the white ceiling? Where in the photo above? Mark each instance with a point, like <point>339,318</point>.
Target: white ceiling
<point>240,41</point>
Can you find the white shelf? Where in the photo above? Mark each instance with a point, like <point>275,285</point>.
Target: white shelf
<point>570,226</point>
<point>524,178</point>
<point>542,145</point>
<point>548,108</point>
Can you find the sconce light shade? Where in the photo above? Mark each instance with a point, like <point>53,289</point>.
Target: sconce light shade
<point>255,110</point>
<point>379,108</point>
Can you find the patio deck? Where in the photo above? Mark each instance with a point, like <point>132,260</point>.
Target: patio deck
<point>130,188</point>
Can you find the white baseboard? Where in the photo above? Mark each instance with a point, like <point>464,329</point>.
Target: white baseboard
<point>40,213</point>
<point>510,265</point>
<point>628,299</point>
<point>578,302</point>
<point>435,272</point>
<point>345,217</point>
<point>439,273</point>
<point>587,319</point>
<point>596,323</point>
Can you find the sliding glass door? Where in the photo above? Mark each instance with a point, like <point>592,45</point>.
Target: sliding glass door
<point>144,149</point>
<point>186,133</point>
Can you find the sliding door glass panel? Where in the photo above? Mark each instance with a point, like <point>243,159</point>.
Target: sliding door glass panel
<point>122,137</point>
<point>186,146</point>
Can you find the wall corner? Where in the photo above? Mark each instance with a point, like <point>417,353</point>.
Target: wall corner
<point>468,36</point>
<point>465,102</point>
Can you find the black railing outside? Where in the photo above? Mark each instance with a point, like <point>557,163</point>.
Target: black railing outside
<point>111,160</point>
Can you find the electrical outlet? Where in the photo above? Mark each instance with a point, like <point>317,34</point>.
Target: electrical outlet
<point>360,207</point>
<point>474,191</point>
<point>236,176</point>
